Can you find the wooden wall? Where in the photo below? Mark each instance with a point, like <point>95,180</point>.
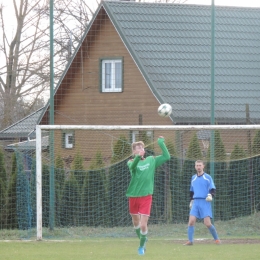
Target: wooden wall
<point>78,99</point>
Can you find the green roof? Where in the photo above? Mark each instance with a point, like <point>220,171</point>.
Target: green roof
<point>171,44</point>
<point>28,145</point>
<point>23,127</point>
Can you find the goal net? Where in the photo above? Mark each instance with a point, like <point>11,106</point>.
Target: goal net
<point>72,180</point>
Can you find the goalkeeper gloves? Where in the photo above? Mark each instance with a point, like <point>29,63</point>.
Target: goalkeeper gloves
<point>191,203</point>
<point>209,197</point>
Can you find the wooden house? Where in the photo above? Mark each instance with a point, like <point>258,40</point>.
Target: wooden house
<point>135,56</point>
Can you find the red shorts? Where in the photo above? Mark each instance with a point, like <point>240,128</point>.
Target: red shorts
<point>140,205</point>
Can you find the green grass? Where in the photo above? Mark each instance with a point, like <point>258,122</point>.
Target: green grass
<point>113,249</point>
<point>240,240</point>
<point>243,227</point>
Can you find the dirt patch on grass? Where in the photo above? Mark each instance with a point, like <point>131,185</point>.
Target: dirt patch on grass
<point>240,241</point>
<point>223,241</point>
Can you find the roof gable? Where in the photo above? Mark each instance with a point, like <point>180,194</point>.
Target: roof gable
<point>171,44</point>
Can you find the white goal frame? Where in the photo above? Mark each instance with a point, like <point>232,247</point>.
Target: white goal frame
<point>39,129</point>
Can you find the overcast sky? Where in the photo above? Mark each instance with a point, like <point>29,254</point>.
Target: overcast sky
<point>93,4</point>
<point>250,3</point>
<point>245,3</point>
<point>254,3</point>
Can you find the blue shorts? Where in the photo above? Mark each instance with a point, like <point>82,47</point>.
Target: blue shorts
<point>201,209</point>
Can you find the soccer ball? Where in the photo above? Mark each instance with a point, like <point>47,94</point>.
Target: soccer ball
<point>164,110</point>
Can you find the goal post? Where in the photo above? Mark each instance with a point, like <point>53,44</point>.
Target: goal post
<point>97,154</point>
<point>39,182</point>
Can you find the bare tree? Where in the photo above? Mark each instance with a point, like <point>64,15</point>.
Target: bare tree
<point>24,70</point>
<point>165,1</point>
<point>25,55</point>
<point>23,76</point>
<point>154,1</point>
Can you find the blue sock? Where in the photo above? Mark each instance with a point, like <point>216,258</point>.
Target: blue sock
<point>190,233</point>
<point>213,232</point>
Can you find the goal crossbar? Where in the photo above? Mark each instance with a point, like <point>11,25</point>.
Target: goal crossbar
<point>150,127</point>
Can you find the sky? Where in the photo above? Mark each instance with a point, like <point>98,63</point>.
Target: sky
<point>245,3</point>
<point>253,3</point>
<point>93,5</point>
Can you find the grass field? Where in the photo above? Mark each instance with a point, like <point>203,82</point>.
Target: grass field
<point>113,249</point>
<point>240,241</point>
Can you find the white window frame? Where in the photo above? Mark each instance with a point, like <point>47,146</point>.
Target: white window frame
<point>109,80</point>
<point>69,140</point>
<point>136,133</point>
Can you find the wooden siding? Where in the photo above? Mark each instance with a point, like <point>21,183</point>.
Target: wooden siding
<point>88,143</point>
<point>78,99</point>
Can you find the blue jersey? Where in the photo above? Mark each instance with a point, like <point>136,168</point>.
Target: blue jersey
<point>201,185</point>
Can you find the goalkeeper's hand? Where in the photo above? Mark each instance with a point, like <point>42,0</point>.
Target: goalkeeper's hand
<point>191,203</point>
<point>209,197</point>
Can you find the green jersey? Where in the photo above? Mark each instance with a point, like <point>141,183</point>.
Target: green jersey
<point>142,172</point>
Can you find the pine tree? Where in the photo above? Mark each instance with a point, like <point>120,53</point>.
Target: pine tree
<point>118,181</point>
<point>79,173</point>
<point>33,188</point>
<point>175,183</point>
<point>3,176</point>
<point>78,168</point>
<point>256,143</point>
<point>3,190</point>
<point>24,210</point>
<point>94,196</point>
<point>97,162</point>
<point>121,150</point>
<point>70,203</point>
<point>239,183</point>
<point>160,204</point>
<point>255,178</point>
<point>193,153</point>
<point>221,203</point>
<point>45,195</point>
<point>11,195</point>
<point>148,142</point>
<point>59,174</point>
<point>2,205</point>
<point>167,179</point>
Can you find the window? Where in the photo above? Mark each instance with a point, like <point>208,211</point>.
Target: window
<point>68,140</point>
<point>111,75</point>
<point>136,135</point>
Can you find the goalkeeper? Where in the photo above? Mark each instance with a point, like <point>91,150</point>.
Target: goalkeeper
<point>140,189</point>
<point>202,190</point>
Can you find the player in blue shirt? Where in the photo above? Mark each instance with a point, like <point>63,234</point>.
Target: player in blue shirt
<point>202,189</point>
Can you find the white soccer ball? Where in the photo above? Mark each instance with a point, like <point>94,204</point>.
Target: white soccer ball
<point>164,110</point>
